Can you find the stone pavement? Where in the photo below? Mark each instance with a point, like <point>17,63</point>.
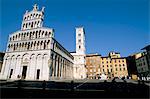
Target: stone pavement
<point>88,88</point>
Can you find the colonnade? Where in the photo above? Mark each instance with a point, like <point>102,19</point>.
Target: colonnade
<point>32,24</point>
<point>33,16</point>
<point>29,45</point>
<point>60,67</point>
<point>30,35</point>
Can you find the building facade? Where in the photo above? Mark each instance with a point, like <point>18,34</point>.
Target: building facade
<point>79,55</point>
<point>147,48</point>
<point>112,66</point>
<point>33,53</point>
<point>143,64</point>
<point>131,65</point>
<point>93,66</point>
<point>1,59</point>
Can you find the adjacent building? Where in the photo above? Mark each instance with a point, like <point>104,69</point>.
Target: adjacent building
<point>112,65</point>
<point>93,66</point>
<point>131,65</point>
<point>142,64</point>
<point>147,48</point>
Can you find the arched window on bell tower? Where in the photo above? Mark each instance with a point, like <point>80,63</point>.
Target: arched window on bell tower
<point>80,40</point>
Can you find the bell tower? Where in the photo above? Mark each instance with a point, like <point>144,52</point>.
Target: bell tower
<point>79,55</point>
<point>80,41</point>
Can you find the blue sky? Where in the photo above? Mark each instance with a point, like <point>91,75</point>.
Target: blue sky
<point>110,25</point>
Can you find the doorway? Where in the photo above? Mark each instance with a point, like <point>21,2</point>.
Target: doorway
<point>11,71</point>
<point>24,71</point>
<point>38,74</point>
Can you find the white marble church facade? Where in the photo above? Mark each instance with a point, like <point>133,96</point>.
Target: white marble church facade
<point>33,53</point>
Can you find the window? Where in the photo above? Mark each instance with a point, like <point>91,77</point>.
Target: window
<point>107,70</point>
<point>10,38</point>
<point>23,25</point>
<point>111,70</point>
<point>79,46</point>
<point>144,63</point>
<point>107,61</point>
<point>49,34</point>
<point>46,34</point>
<point>124,69</point>
<point>143,59</point>
<point>142,69</point>
<point>103,65</point>
<point>11,72</point>
<point>122,60</point>
<point>116,65</point>
<point>119,61</point>
<point>79,34</point>
<point>123,65</point>
<point>13,37</point>
<point>87,75</point>
<point>116,69</point>
<point>79,40</point>
<point>102,62</point>
<point>120,69</point>
<point>120,65</point>
<point>107,65</point>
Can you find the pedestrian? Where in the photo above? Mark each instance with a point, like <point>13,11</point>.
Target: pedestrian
<point>18,76</point>
<point>143,82</point>
<point>44,84</point>
<point>139,82</point>
<point>72,85</point>
<point>19,84</point>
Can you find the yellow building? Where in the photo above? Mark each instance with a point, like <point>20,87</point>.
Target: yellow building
<point>112,66</point>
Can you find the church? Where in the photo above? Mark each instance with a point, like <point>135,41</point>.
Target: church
<point>34,54</point>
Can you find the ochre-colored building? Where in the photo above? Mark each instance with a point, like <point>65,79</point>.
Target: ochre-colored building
<point>112,66</point>
<point>93,66</point>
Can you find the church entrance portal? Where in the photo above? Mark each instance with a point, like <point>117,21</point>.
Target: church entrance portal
<point>24,71</point>
<point>38,74</point>
<point>11,71</point>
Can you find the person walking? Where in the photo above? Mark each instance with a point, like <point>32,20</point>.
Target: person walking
<point>44,84</point>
